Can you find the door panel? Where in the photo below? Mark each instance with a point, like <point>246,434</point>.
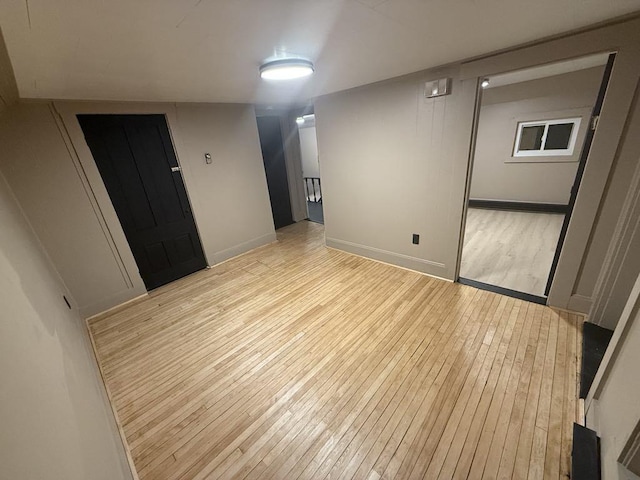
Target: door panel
<point>135,157</point>
<point>275,169</point>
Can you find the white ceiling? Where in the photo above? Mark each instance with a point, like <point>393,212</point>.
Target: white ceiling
<point>548,70</point>
<point>210,50</point>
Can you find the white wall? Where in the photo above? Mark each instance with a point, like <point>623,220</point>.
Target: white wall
<point>49,188</point>
<point>538,179</point>
<point>394,164</point>
<point>621,205</point>
<point>309,151</point>
<point>229,197</point>
<point>613,409</point>
<point>56,421</point>
<point>625,163</point>
<point>52,172</point>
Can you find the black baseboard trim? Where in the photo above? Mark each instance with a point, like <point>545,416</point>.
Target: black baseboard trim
<point>518,206</point>
<point>503,291</point>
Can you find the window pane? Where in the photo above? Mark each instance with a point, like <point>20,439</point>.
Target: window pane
<point>558,136</point>
<point>531,137</point>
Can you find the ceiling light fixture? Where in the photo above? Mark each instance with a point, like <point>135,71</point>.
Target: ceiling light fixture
<point>300,121</point>
<point>286,69</point>
<point>485,83</point>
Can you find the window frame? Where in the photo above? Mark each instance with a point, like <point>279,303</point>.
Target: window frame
<point>563,152</point>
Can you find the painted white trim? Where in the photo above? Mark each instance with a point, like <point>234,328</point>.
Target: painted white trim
<point>110,310</point>
<point>542,152</point>
<point>243,247</point>
<point>112,301</point>
<point>614,274</point>
<point>434,269</point>
<point>619,335</point>
<point>579,303</point>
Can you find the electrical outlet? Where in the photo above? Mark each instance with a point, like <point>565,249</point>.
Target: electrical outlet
<point>416,239</point>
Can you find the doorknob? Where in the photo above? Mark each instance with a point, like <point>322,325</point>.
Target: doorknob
<point>176,169</point>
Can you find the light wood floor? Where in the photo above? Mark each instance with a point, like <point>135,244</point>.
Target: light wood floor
<point>297,361</point>
<point>510,249</point>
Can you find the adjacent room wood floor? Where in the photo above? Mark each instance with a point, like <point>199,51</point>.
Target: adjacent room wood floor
<point>510,249</point>
<point>297,361</point>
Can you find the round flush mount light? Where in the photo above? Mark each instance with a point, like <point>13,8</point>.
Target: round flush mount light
<point>485,83</point>
<point>286,69</point>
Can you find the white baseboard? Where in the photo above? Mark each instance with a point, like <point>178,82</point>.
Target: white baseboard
<point>103,306</point>
<point>121,298</point>
<point>579,303</point>
<point>429,267</point>
<point>244,247</point>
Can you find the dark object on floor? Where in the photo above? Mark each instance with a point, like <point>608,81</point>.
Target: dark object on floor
<point>594,343</point>
<point>585,455</point>
<point>315,212</point>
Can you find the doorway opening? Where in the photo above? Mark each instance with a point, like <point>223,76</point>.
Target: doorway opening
<point>273,156</point>
<point>533,135</point>
<point>310,166</point>
<point>136,159</point>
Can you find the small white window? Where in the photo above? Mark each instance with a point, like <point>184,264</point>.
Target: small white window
<point>546,138</point>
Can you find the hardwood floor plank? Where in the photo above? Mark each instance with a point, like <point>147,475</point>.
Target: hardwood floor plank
<point>444,465</point>
<point>298,361</point>
<point>554,431</point>
<point>540,437</point>
<point>494,430</point>
<point>493,391</point>
<point>447,343</point>
<point>509,453</point>
<point>431,426</point>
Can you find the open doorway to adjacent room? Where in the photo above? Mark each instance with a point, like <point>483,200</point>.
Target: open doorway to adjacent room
<point>310,166</point>
<point>533,135</point>
<point>273,156</point>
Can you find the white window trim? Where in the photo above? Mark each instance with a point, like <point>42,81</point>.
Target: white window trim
<point>547,153</point>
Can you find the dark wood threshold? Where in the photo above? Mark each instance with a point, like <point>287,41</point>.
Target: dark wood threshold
<point>503,291</point>
<point>518,206</point>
